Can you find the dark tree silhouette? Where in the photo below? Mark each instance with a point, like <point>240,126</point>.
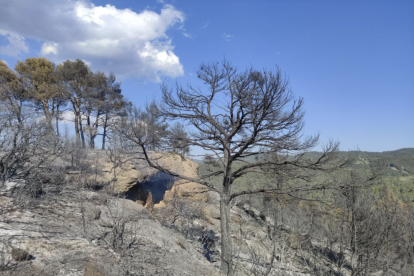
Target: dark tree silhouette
<point>240,115</point>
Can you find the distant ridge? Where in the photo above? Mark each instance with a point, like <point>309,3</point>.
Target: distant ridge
<point>404,152</point>
<point>393,153</point>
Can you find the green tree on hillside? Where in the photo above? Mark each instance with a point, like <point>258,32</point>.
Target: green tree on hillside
<point>74,76</point>
<point>39,80</point>
<point>12,93</point>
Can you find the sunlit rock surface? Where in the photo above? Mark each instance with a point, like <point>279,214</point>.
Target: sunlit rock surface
<point>65,236</point>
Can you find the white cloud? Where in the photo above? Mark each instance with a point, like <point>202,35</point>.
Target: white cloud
<point>227,37</point>
<point>205,25</point>
<point>122,41</point>
<point>49,48</point>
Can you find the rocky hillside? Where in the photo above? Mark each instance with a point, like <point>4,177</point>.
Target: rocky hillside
<point>73,229</point>
<point>90,233</point>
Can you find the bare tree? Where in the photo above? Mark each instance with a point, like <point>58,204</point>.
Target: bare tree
<point>26,149</point>
<point>114,105</point>
<point>178,139</point>
<point>155,125</point>
<point>240,115</point>
<point>374,225</point>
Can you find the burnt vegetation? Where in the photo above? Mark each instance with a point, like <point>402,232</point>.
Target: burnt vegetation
<point>335,213</point>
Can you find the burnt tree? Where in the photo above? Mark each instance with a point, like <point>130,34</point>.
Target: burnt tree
<point>240,115</point>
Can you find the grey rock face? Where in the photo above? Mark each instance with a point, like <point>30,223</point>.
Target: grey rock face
<point>68,233</point>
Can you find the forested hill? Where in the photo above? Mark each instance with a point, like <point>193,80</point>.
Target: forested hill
<point>393,153</point>
<point>404,155</point>
<point>364,154</point>
<point>402,160</point>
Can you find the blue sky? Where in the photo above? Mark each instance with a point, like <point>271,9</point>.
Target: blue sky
<point>352,61</point>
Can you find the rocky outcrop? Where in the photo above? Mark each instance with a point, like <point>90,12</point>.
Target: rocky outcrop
<point>76,232</point>
<point>121,175</point>
<point>183,166</point>
<point>132,171</point>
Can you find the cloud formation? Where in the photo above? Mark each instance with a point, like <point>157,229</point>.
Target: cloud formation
<point>115,40</point>
<point>227,37</point>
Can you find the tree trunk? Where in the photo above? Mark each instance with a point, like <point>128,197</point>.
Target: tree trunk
<point>48,114</point>
<point>77,129</point>
<point>76,111</point>
<point>81,131</point>
<point>226,240</point>
<point>56,114</point>
<point>93,130</point>
<point>92,141</point>
<point>105,125</point>
<point>89,129</point>
<point>103,138</point>
<point>57,126</point>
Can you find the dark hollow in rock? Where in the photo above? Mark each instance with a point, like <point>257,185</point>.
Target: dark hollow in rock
<point>156,185</point>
